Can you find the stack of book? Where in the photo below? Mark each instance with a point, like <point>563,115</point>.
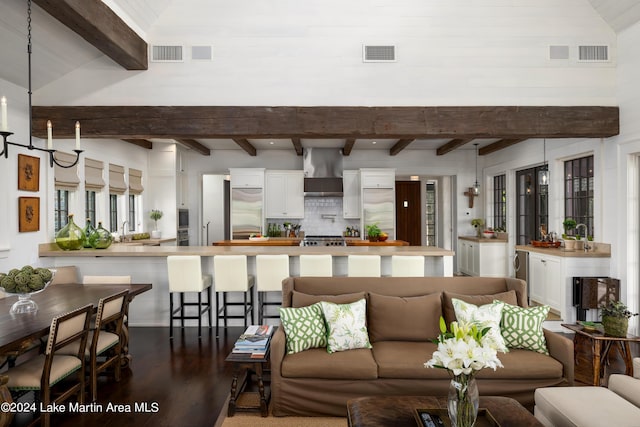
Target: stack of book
<point>254,341</point>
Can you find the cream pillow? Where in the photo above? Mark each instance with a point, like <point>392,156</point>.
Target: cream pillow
<point>485,316</point>
<point>346,325</point>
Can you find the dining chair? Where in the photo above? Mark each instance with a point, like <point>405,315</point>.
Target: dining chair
<point>363,266</point>
<point>271,270</point>
<point>185,275</point>
<point>230,275</point>
<point>407,266</point>
<point>44,373</point>
<point>105,341</point>
<point>316,265</point>
<point>64,274</point>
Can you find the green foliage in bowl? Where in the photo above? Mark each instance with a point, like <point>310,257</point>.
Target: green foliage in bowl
<point>25,280</point>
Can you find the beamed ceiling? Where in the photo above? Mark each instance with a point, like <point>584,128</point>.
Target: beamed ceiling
<point>253,128</point>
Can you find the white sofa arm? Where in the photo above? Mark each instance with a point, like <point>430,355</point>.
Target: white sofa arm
<point>636,367</point>
<point>626,387</point>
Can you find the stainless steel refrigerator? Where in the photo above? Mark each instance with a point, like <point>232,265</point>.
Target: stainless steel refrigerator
<point>246,212</point>
<point>378,207</point>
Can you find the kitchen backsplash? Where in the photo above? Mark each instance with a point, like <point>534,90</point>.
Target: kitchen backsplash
<point>322,216</point>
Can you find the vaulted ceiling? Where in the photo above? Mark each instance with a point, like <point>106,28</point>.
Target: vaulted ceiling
<point>71,42</point>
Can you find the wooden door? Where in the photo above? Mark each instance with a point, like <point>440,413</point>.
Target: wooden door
<point>409,212</point>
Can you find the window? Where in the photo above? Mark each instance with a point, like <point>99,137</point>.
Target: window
<point>132,212</point>
<point>431,205</point>
<point>500,202</point>
<point>113,213</point>
<point>90,206</point>
<point>578,193</point>
<point>61,214</point>
<point>532,210</point>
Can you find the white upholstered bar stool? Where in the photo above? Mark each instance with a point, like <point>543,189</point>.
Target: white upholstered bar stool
<point>271,270</point>
<point>363,266</point>
<point>185,275</point>
<point>407,266</point>
<point>230,275</point>
<point>316,266</point>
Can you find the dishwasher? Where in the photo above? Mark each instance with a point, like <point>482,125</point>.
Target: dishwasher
<point>521,267</point>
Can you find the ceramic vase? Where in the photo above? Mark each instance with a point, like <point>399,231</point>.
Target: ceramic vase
<point>463,401</point>
<point>615,326</point>
<point>70,237</point>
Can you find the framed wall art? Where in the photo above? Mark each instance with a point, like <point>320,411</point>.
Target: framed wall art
<point>28,173</point>
<point>29,214</point>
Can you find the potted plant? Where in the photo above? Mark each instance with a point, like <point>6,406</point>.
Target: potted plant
<point>478,223</point>
<point>569,224</point>
<point>373,232</point>
<point>155,215</point>
<point>501,233</point>
<point>615,318</point>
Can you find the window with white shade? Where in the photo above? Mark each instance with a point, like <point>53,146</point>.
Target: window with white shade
<point>93,185</point>
<point>117,188</point>
<point>66,183</point>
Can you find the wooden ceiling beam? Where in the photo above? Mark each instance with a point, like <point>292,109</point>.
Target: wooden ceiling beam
<point>452,145</point>
<point>399,146</point>
<point>246,146</point>
<point>499,145</point>
<point>99,25</point>
<point>348,146</point>
<point>195,145</point>
<point>198,122</point>
<point>144,143</point>
<point>297,145</point>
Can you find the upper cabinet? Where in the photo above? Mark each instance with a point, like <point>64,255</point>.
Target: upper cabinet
<point>351,190</point>
<point>284,194</point>
<point>378,178</point>
<point>247,177</point>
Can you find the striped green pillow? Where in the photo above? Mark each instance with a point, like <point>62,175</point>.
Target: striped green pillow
<point>304,327</point>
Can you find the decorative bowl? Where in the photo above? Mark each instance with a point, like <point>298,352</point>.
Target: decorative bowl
<point>25,285</point>
<point>259,239</point>
<point>488,234</point>
<point>590,326</point>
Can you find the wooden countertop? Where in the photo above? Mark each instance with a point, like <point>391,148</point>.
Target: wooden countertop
<point>273,241</point>
<point>482,239</point>
<point>360,242</point>
<point>602,251</point>
<point>52,250</point>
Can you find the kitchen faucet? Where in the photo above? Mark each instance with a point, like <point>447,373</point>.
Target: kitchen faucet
<point>587,246</point>
<point>125,222</point>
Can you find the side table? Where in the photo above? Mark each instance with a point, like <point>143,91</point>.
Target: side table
<point>600,346</point>
<point>243,366</point>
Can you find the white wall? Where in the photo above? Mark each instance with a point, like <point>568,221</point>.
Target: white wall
<point>286,52</point>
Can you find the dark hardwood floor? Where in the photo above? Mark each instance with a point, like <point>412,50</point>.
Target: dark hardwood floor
<point>186,377</point>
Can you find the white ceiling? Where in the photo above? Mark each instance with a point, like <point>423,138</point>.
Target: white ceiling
<point>619,14</point>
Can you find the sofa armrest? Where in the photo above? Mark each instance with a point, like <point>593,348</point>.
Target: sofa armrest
<point>636,367</point>
<point>561,349</point>
<point>277,350</point>
<point>626,387</point>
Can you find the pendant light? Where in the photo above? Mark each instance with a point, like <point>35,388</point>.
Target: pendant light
<point>543,174</point>
<point>476,185</point>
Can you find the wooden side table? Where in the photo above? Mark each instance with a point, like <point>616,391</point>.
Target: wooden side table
<point>243,366</point>
<point>600,346</point>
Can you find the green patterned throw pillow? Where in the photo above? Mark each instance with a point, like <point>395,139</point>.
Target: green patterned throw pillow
<point>304,328</point>
<point>522,327</point>
<point>346,325</point>
<point>484,316</point>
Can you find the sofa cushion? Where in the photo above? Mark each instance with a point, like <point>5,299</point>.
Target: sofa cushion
<point>317,363</point>
<point>304,327</point>
<point>346,325</point>
<point>404,318</point>
<point>522,327</point>
<point>484,316</point>
<point>300,299</point>
<point>405,360</point>
<point>509,297</point>
<point>524,365</point>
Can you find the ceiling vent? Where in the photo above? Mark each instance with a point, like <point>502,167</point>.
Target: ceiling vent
<point>593,53</point>
<point>201,53</point>
<point>558,52</point>
<point>378,53</point>
<point>167,53</point>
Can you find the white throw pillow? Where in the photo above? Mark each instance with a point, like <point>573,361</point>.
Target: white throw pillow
<point>485,316</point>
<point>346,325</point>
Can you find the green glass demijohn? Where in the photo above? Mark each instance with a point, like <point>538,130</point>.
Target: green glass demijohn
<point>70,237</point>
<point>88,230</point>
<point>100,238</point>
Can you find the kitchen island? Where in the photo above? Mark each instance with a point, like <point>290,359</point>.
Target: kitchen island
<point>147,264</point>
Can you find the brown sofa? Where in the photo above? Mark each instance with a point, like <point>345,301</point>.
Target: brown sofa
<point>314,382</point>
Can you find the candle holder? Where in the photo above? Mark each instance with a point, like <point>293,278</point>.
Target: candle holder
<point>52,160</point>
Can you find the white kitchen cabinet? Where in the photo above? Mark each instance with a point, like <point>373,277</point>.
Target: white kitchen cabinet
<point>351,194</point>
<point>247,177</point>
<point>477,257</point>
<point>378,178</point>
<point>284,194</point>
<point>545,281</point>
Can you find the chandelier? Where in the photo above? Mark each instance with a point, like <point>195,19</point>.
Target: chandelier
<point>4,126</point>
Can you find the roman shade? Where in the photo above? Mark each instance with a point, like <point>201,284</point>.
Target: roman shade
<point>66,178</point>
<point>135,181</point>
<point>116,179</point>
<point>93,174</point>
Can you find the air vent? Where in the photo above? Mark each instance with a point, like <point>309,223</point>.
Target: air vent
<point>201,53</point>
<point>165,53</point>
<point>558,52</point>
<point>593,53</point>
<point>379,53</point>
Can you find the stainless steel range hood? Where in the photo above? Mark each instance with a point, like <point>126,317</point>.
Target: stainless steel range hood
<point>322,172</point>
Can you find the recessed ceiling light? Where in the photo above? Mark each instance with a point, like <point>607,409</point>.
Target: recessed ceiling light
<point>374,142</point>
<point>271,142</point>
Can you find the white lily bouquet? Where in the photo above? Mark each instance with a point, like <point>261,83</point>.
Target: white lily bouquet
<point>464,350</point>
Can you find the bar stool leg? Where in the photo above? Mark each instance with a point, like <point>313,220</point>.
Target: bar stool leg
<point>182,310</point>
<point>209,305</point>
<point>170,315</point>
<point>199,314</point>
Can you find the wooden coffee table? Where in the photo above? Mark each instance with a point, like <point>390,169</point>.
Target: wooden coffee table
<point>398,411</point>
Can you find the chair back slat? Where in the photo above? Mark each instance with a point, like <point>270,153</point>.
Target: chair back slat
<point>68,327</point>
<point>111,308</point>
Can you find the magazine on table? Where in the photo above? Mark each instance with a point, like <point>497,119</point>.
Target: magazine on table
<point>255,338</point>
